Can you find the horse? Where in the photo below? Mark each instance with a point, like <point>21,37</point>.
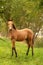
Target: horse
<point>20,35</point>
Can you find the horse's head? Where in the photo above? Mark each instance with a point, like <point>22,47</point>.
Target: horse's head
<point>11,25</point>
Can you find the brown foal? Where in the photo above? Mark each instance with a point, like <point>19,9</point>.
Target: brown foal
<point>20,35</point>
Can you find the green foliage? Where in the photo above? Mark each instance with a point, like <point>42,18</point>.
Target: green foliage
<point>39,42</point>
<point>5,9</point>
<point>25,13</point>
<point>41,3</point>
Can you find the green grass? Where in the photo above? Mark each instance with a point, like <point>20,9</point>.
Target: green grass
<point>22,59</point>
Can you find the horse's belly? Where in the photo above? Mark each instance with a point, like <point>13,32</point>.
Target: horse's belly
<point>21,37</point>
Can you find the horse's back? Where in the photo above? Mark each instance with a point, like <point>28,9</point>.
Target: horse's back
<point>26,32</point>
<point>29,32</point>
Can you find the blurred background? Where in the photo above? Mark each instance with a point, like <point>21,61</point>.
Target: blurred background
<point>25,14</point>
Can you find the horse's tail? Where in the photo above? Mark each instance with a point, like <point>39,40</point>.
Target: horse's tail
<point>33,39</point>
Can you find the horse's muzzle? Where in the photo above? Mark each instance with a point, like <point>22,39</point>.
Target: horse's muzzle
<point>10,29</point>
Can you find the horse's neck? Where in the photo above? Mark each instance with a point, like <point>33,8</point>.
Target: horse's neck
<point>12,31</point>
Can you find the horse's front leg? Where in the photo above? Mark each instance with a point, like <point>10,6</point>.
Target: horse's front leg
<point>13,47</point>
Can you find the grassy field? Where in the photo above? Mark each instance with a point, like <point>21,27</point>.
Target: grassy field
<point>22,59</point>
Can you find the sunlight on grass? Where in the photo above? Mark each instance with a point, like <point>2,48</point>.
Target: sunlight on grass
<point>22,59</point>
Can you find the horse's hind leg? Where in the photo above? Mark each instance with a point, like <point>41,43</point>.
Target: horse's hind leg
<point>28,50</point>
<point>32,43</point>
<point>32,50</point>
<point>28,47</point>
<point>32,46</point>
<point>13,47</point>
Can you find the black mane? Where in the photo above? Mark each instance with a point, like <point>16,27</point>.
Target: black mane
<point>14,26</point>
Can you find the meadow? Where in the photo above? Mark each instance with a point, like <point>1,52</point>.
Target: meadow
<point>22,59</point>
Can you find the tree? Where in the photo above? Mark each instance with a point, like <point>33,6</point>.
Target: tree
<point>25,13</point>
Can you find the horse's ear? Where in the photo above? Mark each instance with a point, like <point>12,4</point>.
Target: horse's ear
<point>14,26</point>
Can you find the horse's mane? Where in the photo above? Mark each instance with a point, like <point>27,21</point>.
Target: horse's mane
<point>14,26</point>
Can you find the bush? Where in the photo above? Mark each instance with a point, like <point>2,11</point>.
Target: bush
<point>39,42</point>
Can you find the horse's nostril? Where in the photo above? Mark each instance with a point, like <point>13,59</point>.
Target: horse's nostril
<point>10,30</point>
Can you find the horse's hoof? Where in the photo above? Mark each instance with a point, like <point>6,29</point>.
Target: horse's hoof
<point>26,53</point>
<point>16,55</point>
<point>33,54</point>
